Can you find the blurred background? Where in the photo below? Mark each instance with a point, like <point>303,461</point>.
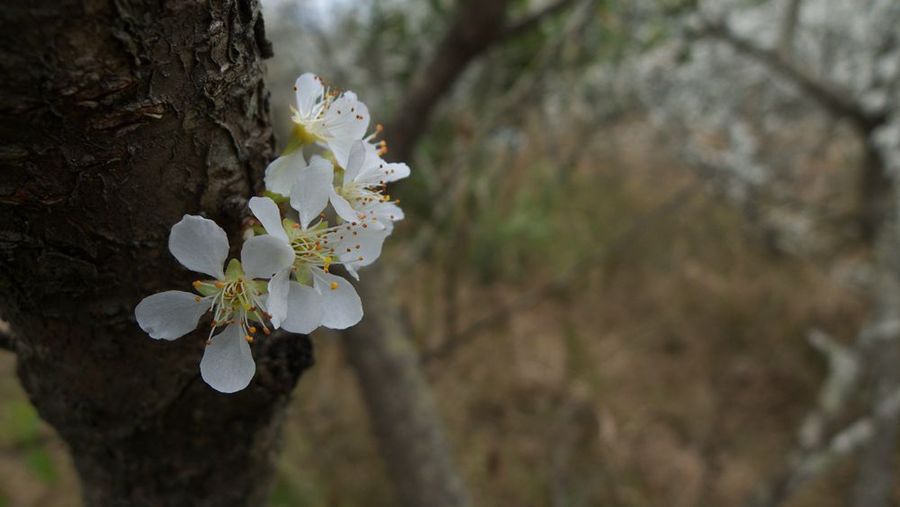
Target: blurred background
<point>649,259</point>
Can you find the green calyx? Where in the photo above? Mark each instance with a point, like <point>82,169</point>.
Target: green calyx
<point>234,270</point>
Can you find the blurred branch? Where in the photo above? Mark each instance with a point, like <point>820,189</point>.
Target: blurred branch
<point>524,86</point>
<point>559,284</point>
<point>832,98</point>
<point>7,342</point>
<point>531,21</point>
<point>476,26</point>
<point>843,444</point>
<point>788,28</point>
<point>875,352</point>
<point>812,454</point>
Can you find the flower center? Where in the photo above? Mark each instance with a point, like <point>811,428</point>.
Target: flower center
<point>311,247</point>
<point>235,301</point>
<point>308,125</point>
<point>362,195</point>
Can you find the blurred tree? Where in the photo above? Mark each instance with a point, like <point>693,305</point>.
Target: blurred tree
<point>738,89</point>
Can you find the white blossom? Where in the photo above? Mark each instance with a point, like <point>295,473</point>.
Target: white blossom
<point>361,195</point>
<point>283,278</point>
<point>316,297</point>
<point>234,297</point>
<point>328,117</point>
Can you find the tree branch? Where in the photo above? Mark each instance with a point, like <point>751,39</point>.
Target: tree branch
<point>788,27</point>
<point>7,341</point>
<point>531,21</point>
<point>478,26</point>
<point>822,459</point>
<point>831,97</point>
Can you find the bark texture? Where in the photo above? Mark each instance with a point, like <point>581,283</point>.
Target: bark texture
<point>117,118</point>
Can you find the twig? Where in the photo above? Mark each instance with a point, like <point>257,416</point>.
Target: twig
<point>845,443</point>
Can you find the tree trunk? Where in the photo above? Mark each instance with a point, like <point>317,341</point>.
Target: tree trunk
<point>881,342</point>
<point>118,117</point>
<point>404,418</point>
<point>403,414</point>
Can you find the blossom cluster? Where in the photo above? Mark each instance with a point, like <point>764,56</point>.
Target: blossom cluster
<point>325,205</point>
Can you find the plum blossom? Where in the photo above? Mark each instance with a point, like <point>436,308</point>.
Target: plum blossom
<point>361,195</point>
<point>234,296</point>
<point>283,278</point>
<point>316,297</point>
<point>328,117</point>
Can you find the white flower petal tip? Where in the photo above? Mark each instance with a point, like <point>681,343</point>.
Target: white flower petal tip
<point>227,364</point>
<point>171,314</point>
<point>282,172</point>
<point>341,306</point>
<point>200,245</point>
<point>266,211</point>
<point>309,90</point>
<point>277,300</point>
<point>263,256</point>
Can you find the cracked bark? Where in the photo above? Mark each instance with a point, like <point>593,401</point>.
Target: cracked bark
<point>117,118</point>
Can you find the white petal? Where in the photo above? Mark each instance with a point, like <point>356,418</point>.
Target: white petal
<point>266,211</point>
<point>304,309</point>
<point>355,161</point>
<point>171,314</point>
<point>341,306</point>
<point>309,91</point>
<point>263,256</point>
<point>277,301</point>
<point>351,269</point>
<point>395,171</point>
<point>282,172</point>
<point>200,245</point>
<point>359,246</point>
<point>343,207</point>
<point>347,121</point>
<point>309,195</point>
<point>379,172</point>
<point>389,212</point>
<point>227,364</point>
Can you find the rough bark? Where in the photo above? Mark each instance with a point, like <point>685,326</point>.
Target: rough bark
<point>117,118</point>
